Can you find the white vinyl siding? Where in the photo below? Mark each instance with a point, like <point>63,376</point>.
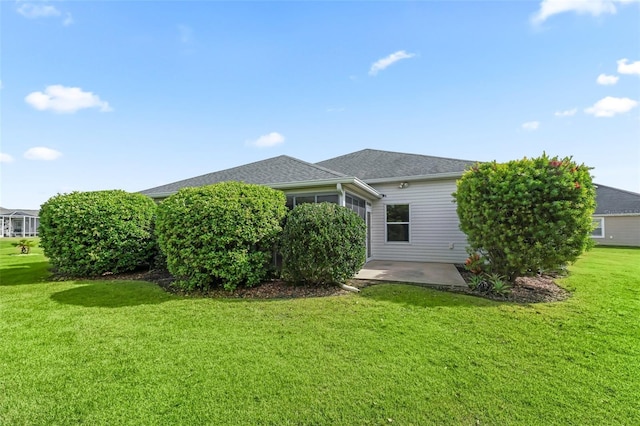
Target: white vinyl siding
<point>433,223</point>
<point>620,231</point>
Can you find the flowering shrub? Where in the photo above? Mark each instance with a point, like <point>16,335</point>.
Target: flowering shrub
<point>475,263</point>
<point>528,214</point>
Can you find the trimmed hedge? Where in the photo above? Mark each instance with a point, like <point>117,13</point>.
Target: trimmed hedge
<point>90,233</point>
<point>527,215</point>
<point>221,234</point>
<point>322,243</point>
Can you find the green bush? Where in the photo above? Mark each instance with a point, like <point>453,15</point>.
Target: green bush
<point>89,233</point>
<point>322,243</point>
<point>220,234</point>
<point>527,215</point>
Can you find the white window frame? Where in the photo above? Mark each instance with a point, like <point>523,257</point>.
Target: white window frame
<point>387,223</point>
<point>601,219</point>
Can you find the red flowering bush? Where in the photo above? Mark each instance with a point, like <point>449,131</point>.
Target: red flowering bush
<point>526,215</point>
<point>475,263</point>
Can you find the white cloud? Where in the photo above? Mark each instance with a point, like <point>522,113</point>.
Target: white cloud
<point>63,99</point>
<point>266,141</point>
<point>68,20</point>
<point>566,113</point>
<point>5,158</point>
<point>610,106</point>
<point>383,63</point>
<point>549,8</point>
<point>43,10</point>
<point>607,80</point>
<point>32,11</point>
<point>626,68</point>
<point>42,153</point>
<point>531,125</point>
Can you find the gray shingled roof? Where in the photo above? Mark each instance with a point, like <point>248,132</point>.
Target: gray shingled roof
<point>616,201</point>
<point>282,169</point>
<point>371,164</point>
<point>17,213</point>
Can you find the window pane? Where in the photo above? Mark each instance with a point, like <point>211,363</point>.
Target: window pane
<point>397,232</point>
<point>597,228</point>
<point>302,200</point>
<point>328,198</point>
<point>289,202</point>
<point>398,213</point>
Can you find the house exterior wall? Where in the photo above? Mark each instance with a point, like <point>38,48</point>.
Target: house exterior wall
<point>620,231</point>
<point>434,231</point>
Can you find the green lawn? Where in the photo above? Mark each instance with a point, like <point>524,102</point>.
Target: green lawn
<point>122,352</point>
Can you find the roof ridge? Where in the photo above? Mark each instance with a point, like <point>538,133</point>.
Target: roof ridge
<point>399,153</point>
<point>325,169</point>
<point>218,171</point>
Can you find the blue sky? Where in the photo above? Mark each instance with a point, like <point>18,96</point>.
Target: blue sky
<point>131,95</point>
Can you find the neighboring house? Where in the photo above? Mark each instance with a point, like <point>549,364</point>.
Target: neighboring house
<point>19,223</point>
<point>617,217</point>
<point>405,199</point>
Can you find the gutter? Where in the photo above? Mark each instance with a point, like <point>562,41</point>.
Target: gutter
<point>435,176</point>
<point>302,184</point>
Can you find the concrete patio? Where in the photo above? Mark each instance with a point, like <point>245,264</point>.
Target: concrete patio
<point>423,273</point>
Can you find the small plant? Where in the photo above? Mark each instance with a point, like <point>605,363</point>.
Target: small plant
<point>499,284</point>
<point>476,282</point>
<point>24,245</point>
<point>475,263</point>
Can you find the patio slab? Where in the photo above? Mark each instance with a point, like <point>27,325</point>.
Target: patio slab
<point>424,273</point>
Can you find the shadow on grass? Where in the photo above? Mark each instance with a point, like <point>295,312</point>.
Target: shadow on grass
<point>416,295</point>
<point>26,273</point>
<point>113,294</point>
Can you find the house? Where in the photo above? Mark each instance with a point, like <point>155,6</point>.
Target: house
<point>617,217</point>
<point>19,223</point>
<point>405,199</point>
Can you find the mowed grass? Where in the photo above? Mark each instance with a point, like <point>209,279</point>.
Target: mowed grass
<point>123,352</point>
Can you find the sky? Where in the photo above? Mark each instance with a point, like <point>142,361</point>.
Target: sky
<point>131,95</point>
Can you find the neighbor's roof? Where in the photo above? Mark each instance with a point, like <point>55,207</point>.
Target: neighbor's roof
<point>282,169</point>
<point>373,164</point>
<point>614,201</point>
<point>19,213</point>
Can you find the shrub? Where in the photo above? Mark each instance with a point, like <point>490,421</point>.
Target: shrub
<point>221,234</point>
<point>527,215</point>
<point>322,243</point>
<point>89,233</point>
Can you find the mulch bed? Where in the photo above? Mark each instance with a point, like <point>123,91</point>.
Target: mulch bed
<point>535,289</point>
<point>525,289</point>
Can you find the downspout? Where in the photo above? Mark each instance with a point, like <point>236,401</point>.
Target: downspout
<point>343,203</point>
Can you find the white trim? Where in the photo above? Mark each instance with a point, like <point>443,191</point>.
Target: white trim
<point>601,219</point>
<point>434,176</point>
<point>303,184</point>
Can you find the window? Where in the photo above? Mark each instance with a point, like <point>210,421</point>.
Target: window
<point>356,204</point>
<point>295,200</point>
<point>598,227</point>
<point>398,223</point>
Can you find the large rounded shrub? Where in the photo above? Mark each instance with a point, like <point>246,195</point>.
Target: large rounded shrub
<point>221,234</point>
<point>89,233</point>
<point>527,215</point>
<point>322,243</point>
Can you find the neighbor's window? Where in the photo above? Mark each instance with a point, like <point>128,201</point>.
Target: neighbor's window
<point>398,222</point>
<point>598,227</point>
